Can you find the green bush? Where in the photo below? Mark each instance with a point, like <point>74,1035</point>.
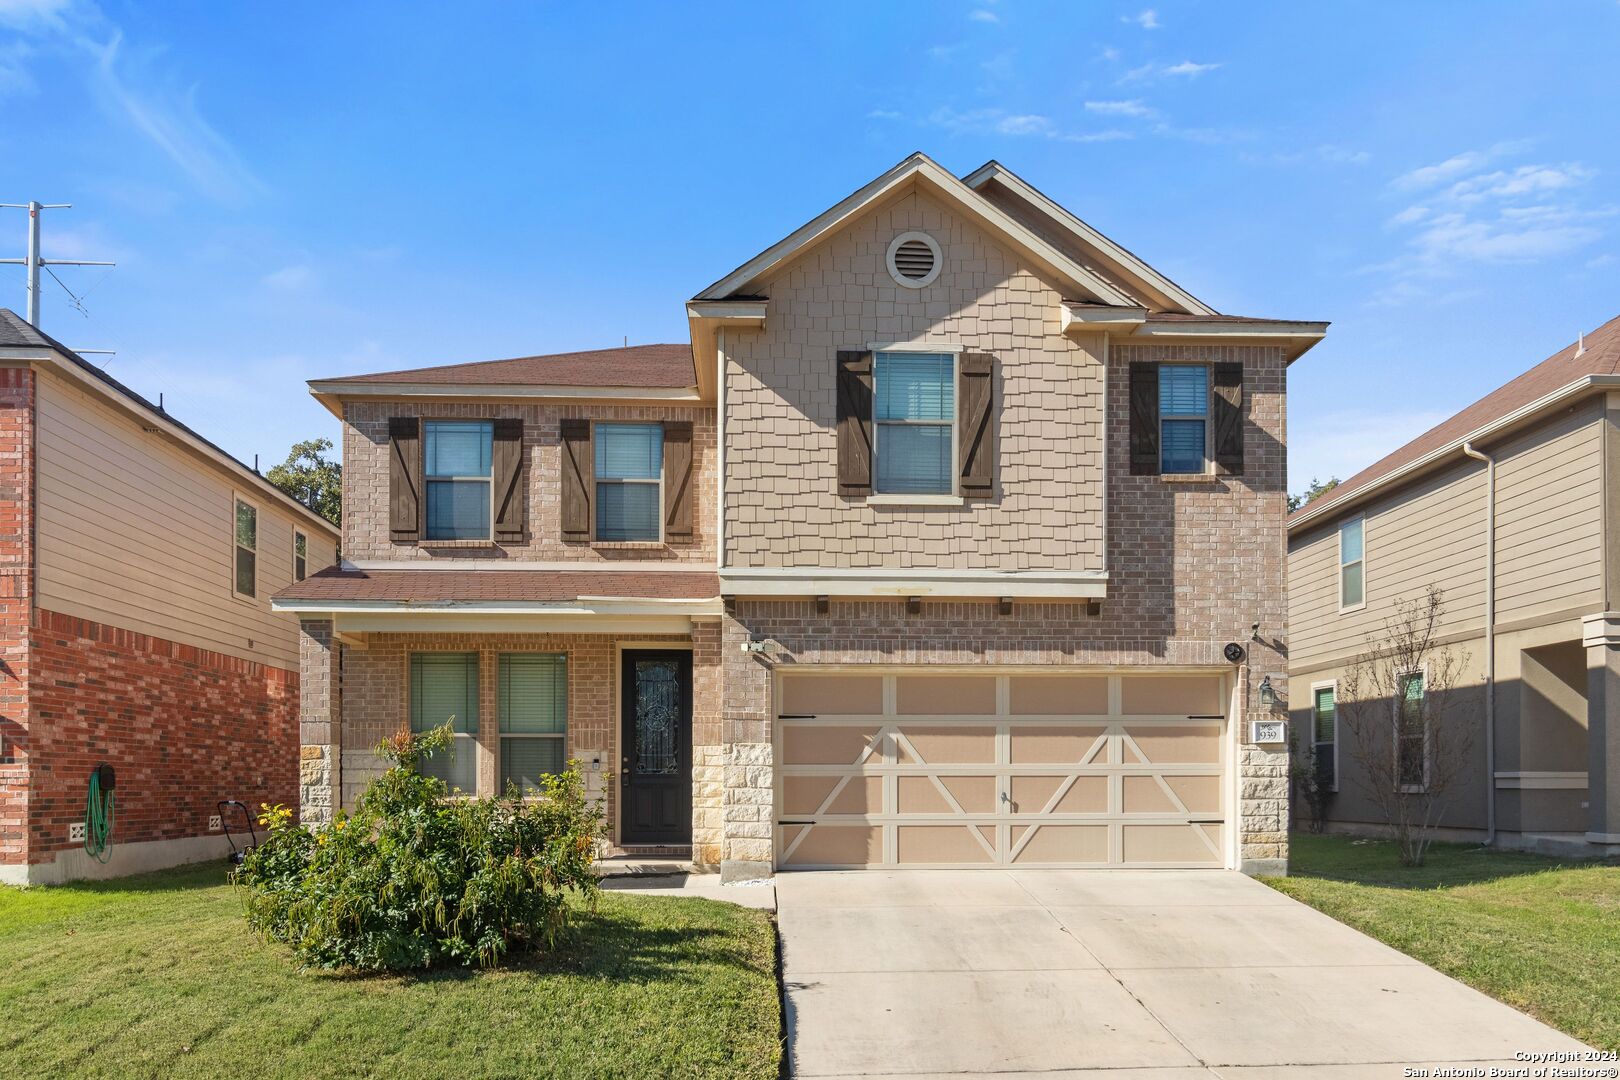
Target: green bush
<point>414,879</point>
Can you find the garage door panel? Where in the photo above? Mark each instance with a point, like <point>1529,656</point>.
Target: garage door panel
<point>1055,744</point>
<point>827,695</point>
<point>1005,785</point>
<point>1197,695</point>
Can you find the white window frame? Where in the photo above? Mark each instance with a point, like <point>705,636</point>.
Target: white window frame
<point>237,498</point>
<point>300,537</point>
<point>502,736</point>
<point>428,480</point>
<point>1333,685</point>
<point>1415,789</point>
<point>953,497</point>
<point>597,482</point>
<point>1207,418</point>
<point>1360,520</point>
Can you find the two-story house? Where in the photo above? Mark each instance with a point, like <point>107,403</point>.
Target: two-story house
<point>1511,508</point>
<point>952,538</point>
<point>137,561</point>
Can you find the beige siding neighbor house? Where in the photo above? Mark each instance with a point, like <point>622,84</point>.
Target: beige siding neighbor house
<point>1510,507</point>
<point>952,537</point>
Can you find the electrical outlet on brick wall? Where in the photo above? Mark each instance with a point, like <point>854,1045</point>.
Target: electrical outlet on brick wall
<point>213,823</point>
<point>76,832</point>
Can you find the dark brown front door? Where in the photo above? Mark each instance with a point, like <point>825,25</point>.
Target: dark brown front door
<point>656,771</point>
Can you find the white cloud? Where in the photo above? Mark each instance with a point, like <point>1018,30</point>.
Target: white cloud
<point>1454,166</point>
<point>983,16</point>
<point>1017,125</point>
<point>883,114</point>
<point>1188,68</point>
<point>1147,20</point>
<point>1341,444</point>
<point>1121,108</point>
<point>1342,155</point>
<point>1524,180</point>
<point>289,278</point>
<point>1410,216</point>
<point>1109,53</point>
<point>36,16</point>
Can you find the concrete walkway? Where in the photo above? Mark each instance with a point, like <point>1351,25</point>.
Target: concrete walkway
<point>1130,975</point>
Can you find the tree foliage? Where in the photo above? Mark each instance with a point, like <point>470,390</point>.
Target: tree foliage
<point>1315,490</point>
<point>310,477</point>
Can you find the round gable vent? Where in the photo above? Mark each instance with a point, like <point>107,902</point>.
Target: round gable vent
<point>914,259</point>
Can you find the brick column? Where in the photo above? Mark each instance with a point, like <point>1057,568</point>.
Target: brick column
<point>16,611</point>
<point>320,720</point>
<point>748,803</point>
<point>708,746</point>
<point>1601,636</point>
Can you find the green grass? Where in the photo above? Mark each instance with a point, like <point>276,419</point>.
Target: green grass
<point>158,976</point>
<point>1540,934</point>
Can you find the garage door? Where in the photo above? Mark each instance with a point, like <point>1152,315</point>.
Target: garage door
<point>915,770</point>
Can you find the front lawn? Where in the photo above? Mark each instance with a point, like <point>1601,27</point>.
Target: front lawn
<point>158,976</point>
<point>1540,934</point>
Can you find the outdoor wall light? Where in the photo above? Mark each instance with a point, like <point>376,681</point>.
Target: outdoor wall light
<point>1268,696</point>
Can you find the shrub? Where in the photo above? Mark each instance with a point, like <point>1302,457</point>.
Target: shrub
<point>414,879</point>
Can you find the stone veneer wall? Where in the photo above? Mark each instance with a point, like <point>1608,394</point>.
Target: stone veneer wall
<point>365,482</point>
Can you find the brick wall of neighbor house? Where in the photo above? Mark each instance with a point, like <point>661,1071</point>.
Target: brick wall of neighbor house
<point>181,726</point>
<point>365,482</point>
<point>375,704</point>
<point>1192,565</point>
<point>16,577</point>
<point>782,502</point>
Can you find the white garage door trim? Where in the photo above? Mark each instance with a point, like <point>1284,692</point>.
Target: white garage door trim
<point>1003,834</point>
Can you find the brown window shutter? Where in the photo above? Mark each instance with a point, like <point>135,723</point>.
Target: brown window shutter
<point>854,423</point>
<point>1145,419</point>
<point>677,480</point>
<point>405,477</point>
<point>506,460</point>
<point>1227,406</point>
<point>578,479</point>
<point>976,443</point>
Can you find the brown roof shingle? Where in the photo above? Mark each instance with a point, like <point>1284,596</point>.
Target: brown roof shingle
<point>660,366</point>
<point>1602,357</point>
<point>535,586</point>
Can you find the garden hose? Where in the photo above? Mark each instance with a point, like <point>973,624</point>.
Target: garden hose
<point>98,814</point>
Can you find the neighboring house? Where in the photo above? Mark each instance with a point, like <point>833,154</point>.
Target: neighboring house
<point>137,561</point>
<point>925,550</point>
<point>1511,508</point>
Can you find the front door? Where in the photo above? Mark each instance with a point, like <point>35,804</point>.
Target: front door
<point>656,771</point>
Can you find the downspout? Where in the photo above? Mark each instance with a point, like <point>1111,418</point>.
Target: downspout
<point>1490,639</point>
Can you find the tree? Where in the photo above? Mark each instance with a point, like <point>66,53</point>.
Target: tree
<point>1316,490</point>
<point>1397,703</point>
<point>1313,788</point>
<point>310,478</point>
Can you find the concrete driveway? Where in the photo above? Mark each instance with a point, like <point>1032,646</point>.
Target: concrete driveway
<point>1132,975</point>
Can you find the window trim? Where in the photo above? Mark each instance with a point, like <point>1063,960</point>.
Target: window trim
<point>299,534</point>
<point>500,701</point>
<point>1359,519</point>
<point>1333,685</point>
<point>428,479</point>
<point>1208,418</point>
<point>952,496</point>
<point>474,738</point>
<point>258,515</point>
<point>597,482</point>
<point>1411,789</point>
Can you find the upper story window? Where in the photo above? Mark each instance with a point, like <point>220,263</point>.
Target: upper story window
<point>1183,418</point>
<point>457,458</point>
<point>300,556</point>
<point>1352,565</point>
<point>246,549</point>
<point>915,421</point>
<point>629,481</point>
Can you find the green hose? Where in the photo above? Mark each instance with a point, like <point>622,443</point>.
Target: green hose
<point>98,820</point>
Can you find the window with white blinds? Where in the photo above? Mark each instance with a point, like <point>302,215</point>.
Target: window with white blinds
<point>629,481</point>
<point>914,415</point>
<point>444,688</point>
<point>1183,418</point>
<point>533,693</point>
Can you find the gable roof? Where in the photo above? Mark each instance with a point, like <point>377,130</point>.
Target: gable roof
<point>18,333</point>
<point>650,366</point>
<point>1121,265</point>
<point>1569,370</point>
<point>916,169</point>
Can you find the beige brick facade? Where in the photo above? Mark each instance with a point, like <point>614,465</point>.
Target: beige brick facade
<point>365,482</point>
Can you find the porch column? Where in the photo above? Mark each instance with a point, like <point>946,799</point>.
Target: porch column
<point>1601,636</point>
<point>748,802</point>
<point>320,714</point>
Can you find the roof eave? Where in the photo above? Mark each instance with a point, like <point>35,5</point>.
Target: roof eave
<point>1330,506</point>
<point>332,393</point>
<point>1296,338</point>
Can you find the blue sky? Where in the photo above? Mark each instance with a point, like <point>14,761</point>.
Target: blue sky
<point>294,190</point>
